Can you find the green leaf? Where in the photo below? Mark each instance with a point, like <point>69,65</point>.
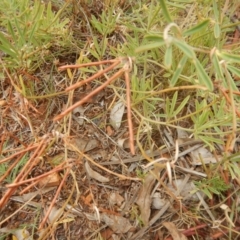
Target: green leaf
<point>97,25</point>
<point>97,48</point>
<point>232,173</point>
<point>168,57</point>
<point>196,28</point>
<point>203,76</point>
<point>236,169</point>
<point>150,46</point>
<point>178,71</point>
<point>230,57</point>
<point>217,30</point>
<point>21,33</point>
<point>230,81</point>
<point>104,43</point>
<point>8,51</point>
<point>234,70</point>
<point>181,106</point>
<point>217,67</point>
<point>165,11</point>
<point>184,47</point>
<point>7,48</point>
<point>207,192</point>
<point>153,37</point>
<point>11,31</point>
<point>173,103</point>
<point>167,106</point>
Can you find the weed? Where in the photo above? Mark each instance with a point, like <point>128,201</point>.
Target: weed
<point>215,185</point>
<point>30,28</point>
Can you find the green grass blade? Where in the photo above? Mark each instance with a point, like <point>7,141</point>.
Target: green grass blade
<point>11,31</point>
<point>6,46</point>
<point>21,32</point>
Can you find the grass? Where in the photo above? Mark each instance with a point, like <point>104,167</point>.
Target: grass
<point>184,85</point>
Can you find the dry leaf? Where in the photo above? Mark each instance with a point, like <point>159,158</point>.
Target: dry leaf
<point>188,190</point>
<point>115,198</point>
<point>83,144</point>
<point>109,131</point>
<point>55,214</point>
<point>21,234</point>
<point>157,201</point>
<point>95,175</point>
<point>116,114</point>
<point>182,134</point>
<point>123,143</point>
<point>18,234</point>
<point>144,198</point>
<point>202,154</point>
<point>51,180</point>
<point>3,102</point>
<point>106,233</point>
<point>117,223</point>
<point>79,111</point>
<point>176,235</point>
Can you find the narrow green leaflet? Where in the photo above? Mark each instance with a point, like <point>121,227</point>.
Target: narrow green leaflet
<point>150,46</point>
<point>173,103</point>
<point>203,76</point>
<point>168,57</point>
<point>234,70</point>
<point>184,47</point>
<point>165,11</point>
<point>196,28</point>
<point>154,37</point>
<point>22,33</point>
<point>181,106</point>
<point>230,57</point>
<point>217,30</point>
<point>6,46</point>
<point>217,67</point>
<point>11,31</point>
<point>229,82</point>
<point>178,71</point>
<point>97,25</point>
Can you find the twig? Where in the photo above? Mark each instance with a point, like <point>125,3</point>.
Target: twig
<point>54,200</point>
<point>85,99</point>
